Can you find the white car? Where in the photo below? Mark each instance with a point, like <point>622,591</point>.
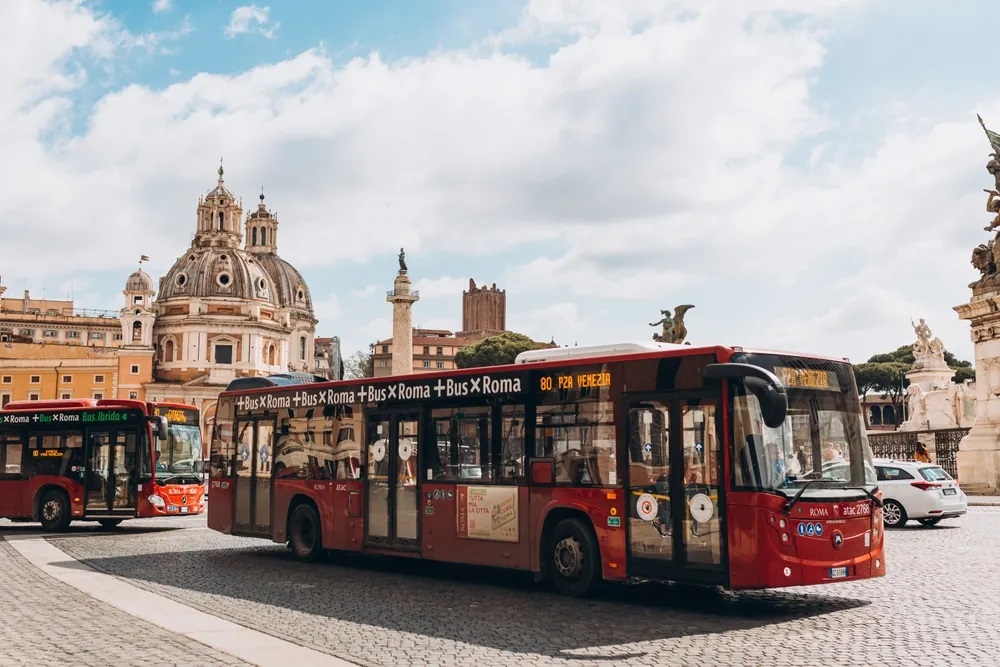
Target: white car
<point>922,492</point>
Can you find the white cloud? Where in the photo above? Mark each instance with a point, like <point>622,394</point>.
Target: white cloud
<point>250,19</point>
<point>162,6</point>
<point>328,308</point>
<point>647,161</point>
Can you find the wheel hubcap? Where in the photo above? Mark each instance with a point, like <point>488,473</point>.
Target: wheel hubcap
<point>891,513</point>
<point>51,510</point>
<point>569,557</point>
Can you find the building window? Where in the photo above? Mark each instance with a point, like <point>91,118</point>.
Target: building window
<point>118,336</point>
<point>385,349</point>
<point>133,395</point>
<point>7,379</point>
<point>440,364</point>
<point>134,370</point>
<point>33,396</point>
<point>72,334</point>
<point>50,333</point>
<point>4,400</point>
<point>98,395</point>
<point>427,349</point>
<point>440,351</point>
<point>223,354</point>
<point>427,364</point>
<point>168,351</point>
<point>302,348</point>
<point>96,335</point>
<point>66,379</point>
<point>383,363</point>
<point>35,379</point>
<point>30,333</point>
<point>136,300</point>
<point>66,396</point>
<point>98,379</point>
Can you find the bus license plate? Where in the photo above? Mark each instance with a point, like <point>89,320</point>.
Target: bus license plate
<point>171,508</point>
<point>184,510</point>
<point>838,572</point>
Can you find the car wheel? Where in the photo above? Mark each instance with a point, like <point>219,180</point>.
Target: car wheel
<point>893,513</point>
<point>930,521</point>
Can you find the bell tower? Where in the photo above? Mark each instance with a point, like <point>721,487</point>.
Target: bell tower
<point>137,316</point>
<point>262,229</point>
<point>219,217</point>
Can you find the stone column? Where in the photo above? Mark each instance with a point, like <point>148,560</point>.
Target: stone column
<point>979,451</point>
<point>402,299</point>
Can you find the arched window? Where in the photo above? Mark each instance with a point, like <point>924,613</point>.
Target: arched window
<point>220,221</point>
<point>302,348</point>
<point>253,236</point>
<point>136,331</point>
<point>875,415</point>
<point>263,236</point>
<point>272,354</point>
<point>168,351</point>
<point>888,415</point>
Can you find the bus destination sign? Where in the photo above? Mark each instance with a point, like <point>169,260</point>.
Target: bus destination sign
<point>808,378</point>
<point>470,386</point>
<point>176,415</point>
<point>81,417</point>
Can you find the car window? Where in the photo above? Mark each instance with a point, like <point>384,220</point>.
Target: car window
<point>890,473</point>
<point>934,474</point>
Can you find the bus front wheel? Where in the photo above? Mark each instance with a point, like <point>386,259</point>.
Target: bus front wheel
<point>53,511</point>
<point>574,564</point>
<point>304,533</point>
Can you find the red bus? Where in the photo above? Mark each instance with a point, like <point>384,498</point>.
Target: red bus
<point>715,466</point>
<point>103,460</point>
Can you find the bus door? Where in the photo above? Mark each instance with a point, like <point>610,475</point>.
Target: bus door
<point>111,475</point>
<point>252,492</point>
<point>676,508</point>
<point>392,505</point>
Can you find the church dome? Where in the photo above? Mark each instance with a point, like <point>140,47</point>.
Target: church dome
<point>139,282</point>
<point>218,272</point>
<point>291,289</point>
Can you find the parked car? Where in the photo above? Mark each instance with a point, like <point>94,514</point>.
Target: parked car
<point>911,491</point>
<point>923,492</point>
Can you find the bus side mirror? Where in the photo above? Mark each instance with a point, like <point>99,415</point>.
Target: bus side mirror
<point>762,383</point>
<point>160,426</point>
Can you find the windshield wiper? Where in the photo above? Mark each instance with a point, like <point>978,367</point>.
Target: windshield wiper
<point>875,501</point>
<point>791,503</point>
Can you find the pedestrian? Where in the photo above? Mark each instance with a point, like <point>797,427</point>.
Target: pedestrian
<point>921,454</point>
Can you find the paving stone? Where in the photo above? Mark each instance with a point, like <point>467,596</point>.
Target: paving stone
<point>935,606</point>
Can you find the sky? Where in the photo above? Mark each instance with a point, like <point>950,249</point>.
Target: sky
<point>809,175</point>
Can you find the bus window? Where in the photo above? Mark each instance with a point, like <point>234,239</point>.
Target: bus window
<point>11,448</point>
<point>474,442</point>
<point>512,443</point>
<point>579,435</point>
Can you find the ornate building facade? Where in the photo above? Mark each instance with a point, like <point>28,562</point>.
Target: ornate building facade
<point>229,307</point>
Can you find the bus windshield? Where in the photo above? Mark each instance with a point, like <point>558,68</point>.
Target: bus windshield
<point>822,441</point>
<point>179,459</point>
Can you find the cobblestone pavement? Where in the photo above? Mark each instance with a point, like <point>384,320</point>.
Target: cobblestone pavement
<point>46,622</point>
<point>937,605</point>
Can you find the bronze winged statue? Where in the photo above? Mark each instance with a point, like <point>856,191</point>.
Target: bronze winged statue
<point>674,330</point>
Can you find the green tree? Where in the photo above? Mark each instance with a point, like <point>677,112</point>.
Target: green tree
<point>359,365</point>
<point>885,374</point>
<point>495,350</point>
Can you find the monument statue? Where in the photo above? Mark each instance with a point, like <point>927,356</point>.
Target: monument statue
<point>674,330</point>
<point>927,351</point>
<point>402,260</point>
<point>986,256</point>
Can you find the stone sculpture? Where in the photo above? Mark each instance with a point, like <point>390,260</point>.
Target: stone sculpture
<point>402,260</point>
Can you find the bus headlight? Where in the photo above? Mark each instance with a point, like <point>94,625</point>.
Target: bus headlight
<point>156,501</point>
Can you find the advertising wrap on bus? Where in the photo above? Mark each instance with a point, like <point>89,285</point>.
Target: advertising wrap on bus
<point>694,464</point>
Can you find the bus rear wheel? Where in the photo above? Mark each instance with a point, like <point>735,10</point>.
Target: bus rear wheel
<point>304,533</point>
<point>53,511</point>
<point>575,561</point>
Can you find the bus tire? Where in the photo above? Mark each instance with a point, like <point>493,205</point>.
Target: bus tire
<point>109,523</point>
<point>54,511</point>
<point>574,558</point>
<point>305,535</point>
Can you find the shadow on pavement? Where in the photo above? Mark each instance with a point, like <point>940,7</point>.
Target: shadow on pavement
<point>488,608</point>
<point>84,529</point>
